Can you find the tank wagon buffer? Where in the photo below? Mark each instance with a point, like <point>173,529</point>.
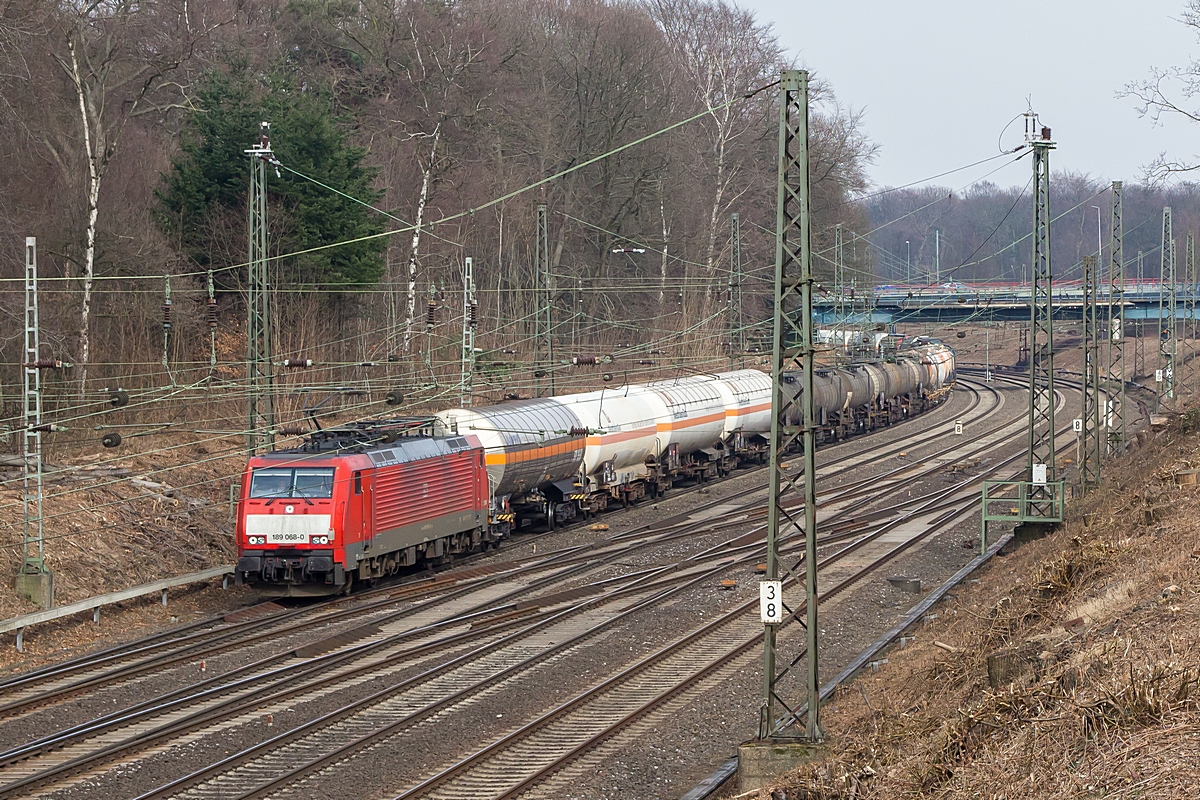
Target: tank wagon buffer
<point>365,500</point>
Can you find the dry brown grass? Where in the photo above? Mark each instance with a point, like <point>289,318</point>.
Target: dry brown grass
<point>1106,612</point>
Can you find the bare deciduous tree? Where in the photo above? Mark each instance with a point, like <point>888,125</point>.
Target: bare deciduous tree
<point>118,57</point>
<point>1170,92</point>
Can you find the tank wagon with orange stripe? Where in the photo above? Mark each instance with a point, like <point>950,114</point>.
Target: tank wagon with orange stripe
<point>553,459</point>
<point>365,500</point>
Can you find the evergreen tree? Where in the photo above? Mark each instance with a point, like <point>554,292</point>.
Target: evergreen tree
<point>203,205</point>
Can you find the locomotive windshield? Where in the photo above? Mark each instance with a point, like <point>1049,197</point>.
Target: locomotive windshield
<point>288,482</point>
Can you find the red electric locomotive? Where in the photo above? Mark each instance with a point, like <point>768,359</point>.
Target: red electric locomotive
<point>360,502</point>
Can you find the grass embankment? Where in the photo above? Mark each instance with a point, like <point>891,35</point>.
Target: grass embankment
<point>1071,669</point>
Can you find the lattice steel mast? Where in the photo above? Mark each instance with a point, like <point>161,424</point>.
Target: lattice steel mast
<point>1089,464</point>
<point>543,363</point>
<point>1115,418</point>
<point>839,282</point>
<point>33,579</point>
<point>737,333</point>
<point>211,319</point>
<point>793,282</point>
<point>470,320</point>
<point>1166,312</point>
<point>260,396</point>
<point>1189,308</point>
<point>1041,449</point>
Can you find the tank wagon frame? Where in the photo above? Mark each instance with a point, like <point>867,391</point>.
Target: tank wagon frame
<point>365,500</point>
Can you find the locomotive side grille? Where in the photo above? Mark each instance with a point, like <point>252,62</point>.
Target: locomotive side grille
<point>422,490</point>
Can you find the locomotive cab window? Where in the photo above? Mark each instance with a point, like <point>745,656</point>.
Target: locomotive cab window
<point>310,482</point>
<point>358,483</point>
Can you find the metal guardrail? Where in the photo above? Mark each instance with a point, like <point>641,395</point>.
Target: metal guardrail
<point>93,604</point>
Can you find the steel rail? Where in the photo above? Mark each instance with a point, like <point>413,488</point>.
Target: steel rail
<point>689,512</point>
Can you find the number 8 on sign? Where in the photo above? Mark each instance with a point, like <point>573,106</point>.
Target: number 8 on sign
<point>770,601</point>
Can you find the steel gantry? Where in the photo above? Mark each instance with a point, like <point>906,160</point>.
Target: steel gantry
<point>260,396</point>
<point>543,360</point>
<point>793,346</point>
<point>1166,313</point>
<point>1115,416</point>
<point>1089,457</point>
<point>470,320</point>
<point>1041,466</point>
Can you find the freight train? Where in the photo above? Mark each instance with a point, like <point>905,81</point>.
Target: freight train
<point>365,500</point>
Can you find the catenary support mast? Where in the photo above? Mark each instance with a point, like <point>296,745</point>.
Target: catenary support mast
<point>1189,311</point>
<point>34,581</point>
<point>737,334</point>
<point>1166,312</point>
<point>1089,465</point>
<point>543,366</point>
<point>1041,464</point>
<point>260,396</point>
<point>793,345</point>
<point>470,318</point>
<point>1115,418</point>
<point>839,285</point>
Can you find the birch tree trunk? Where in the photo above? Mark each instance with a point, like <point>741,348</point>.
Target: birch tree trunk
<point>718,196</point>
<point>410,309</point>
<point>662,282</point>
<point>89,260</point>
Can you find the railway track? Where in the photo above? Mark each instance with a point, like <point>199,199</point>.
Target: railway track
<point>206,639</point>
<point>636,589</point>
<point>510,766</point>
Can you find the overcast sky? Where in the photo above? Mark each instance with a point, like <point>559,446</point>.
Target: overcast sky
<point>939,80</point>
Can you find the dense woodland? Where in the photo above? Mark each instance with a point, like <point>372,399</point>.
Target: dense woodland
<point>124,124</point>
<point>410,136</point>
<point>984,229</point>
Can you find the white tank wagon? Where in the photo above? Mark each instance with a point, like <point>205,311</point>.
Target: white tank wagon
<point>552,459</point>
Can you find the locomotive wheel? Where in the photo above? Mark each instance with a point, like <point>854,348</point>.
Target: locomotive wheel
<point>349,585</point>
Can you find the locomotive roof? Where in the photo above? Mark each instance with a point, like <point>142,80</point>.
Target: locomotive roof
<point>388,441</point>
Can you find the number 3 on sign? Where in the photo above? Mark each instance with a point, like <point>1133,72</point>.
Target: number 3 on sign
<point>770,601</point>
